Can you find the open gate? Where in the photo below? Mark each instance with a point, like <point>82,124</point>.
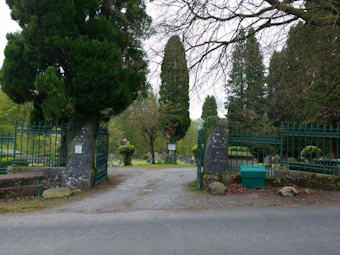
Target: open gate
<point>102,151</point>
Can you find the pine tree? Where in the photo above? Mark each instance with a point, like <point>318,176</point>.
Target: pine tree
<point>246,84</point>
<point>254,75</point>
<point>209,107</point>
<point>236,85</point>
<point>303,78</point>
<point>174,91</point>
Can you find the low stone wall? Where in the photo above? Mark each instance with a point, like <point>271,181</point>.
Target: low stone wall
<point>304,179</point>
<point>280,173</point>
<point>54,176</point>
<point>280,178</point>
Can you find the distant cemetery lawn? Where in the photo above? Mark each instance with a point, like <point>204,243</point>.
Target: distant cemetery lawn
<point>142,163</point>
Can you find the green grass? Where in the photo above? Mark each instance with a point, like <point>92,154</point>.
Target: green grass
<point>141,163</point>
<point>193,187</point>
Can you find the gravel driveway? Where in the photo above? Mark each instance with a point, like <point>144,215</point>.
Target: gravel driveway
<point>166,189</point>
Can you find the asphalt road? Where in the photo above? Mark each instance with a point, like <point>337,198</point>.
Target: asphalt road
<point>286,230</point>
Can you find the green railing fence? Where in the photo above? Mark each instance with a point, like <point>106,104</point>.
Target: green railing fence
<point>310,148</point>
<point>248,148</point>
<point>33,145</point>
<point>7,150</point>
<point>295,147</point>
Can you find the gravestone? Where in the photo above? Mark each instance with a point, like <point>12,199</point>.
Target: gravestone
<point>216,152</point>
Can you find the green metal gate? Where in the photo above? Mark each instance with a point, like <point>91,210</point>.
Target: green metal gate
<point>7,151</point>
<point>102,149</point>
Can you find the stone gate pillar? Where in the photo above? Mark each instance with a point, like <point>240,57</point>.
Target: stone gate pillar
<point>216,154</point>
<point>81,155</point>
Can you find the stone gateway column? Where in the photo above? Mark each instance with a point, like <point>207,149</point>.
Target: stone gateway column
<point>80,164</point>
<point>216,154</point>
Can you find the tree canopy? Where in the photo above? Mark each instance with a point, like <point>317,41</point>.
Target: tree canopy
<point>78,59</point>
<point>174,91</point>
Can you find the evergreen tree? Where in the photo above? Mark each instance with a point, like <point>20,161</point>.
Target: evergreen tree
<point>209,107</point>
<point>254,75</point>
<point>236,85</point>
<point>83,58</point>
<point>246,84</point>
<point>303,83</point>
<point>174,91</point>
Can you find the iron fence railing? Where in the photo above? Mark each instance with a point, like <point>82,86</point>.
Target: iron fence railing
<point>295,147</point>
<point>33,145</point>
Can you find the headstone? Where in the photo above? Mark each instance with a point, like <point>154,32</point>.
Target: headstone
<point>156,156</point>
<point>216,152</point>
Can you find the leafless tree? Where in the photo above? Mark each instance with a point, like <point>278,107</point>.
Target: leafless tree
<point>209,27</point>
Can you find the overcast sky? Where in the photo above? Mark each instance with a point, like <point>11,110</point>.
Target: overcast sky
<point>197,95</point>
<point>6,25</point>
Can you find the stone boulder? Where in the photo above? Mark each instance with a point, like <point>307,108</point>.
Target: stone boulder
<point>57,192</point>
<point>217,188</point>
<point>288,191</point>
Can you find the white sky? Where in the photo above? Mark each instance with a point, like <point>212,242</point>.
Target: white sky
<point>7,25</point>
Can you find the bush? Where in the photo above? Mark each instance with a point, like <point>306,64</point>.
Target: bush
<point>9,161</point>
<point>194,151</point>
<point>310,152</point>
<point>126,151</point>
<point>238,148</point>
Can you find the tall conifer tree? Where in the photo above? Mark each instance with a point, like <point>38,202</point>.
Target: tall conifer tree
<point>174,91</point>
<point>246,85</point>
<point>209,107</point>
<point>236,85</point>
<point>254,75</point>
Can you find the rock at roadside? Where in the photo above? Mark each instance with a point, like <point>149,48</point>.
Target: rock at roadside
<point>288,191</point>
<point>216,188</point>
<point>57,193</point>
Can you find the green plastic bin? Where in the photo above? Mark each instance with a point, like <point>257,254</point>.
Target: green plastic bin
<point>253,177</point>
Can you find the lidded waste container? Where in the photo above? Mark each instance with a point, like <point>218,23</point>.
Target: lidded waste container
<point>253,177</point>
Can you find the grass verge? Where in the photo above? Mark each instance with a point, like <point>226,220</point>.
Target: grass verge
<point>31,203</point>
<point>193,187</point>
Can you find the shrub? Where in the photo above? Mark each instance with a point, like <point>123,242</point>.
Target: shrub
<point>9,161</point>
<point>310,152</point>
<point>238,148</point>
<point>126,151</point>
<point>195,151</point>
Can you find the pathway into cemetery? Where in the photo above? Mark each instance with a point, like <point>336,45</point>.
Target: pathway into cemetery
<point>167,189</point>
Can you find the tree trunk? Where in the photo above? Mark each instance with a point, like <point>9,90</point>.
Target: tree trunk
<point>63,154</point>
<point>81,163</point>
<point>153,155</point>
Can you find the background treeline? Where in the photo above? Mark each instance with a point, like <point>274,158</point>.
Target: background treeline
<point>134,123</point>
<point>302,84</point>
<point>10,111</point>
